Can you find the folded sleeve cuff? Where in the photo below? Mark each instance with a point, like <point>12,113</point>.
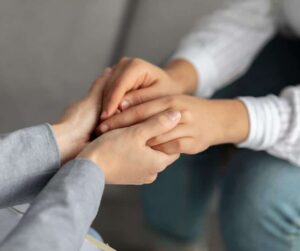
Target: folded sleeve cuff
<point>205,67</point>
<point>267,116</point>
<point>29,158</point>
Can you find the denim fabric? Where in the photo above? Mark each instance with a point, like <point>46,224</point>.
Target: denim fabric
<point>260,202</point>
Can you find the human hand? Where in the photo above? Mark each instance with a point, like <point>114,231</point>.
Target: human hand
<point>203,123</point>
<point>125,157</point>
<point>135,81</point>
<point>74,128</point>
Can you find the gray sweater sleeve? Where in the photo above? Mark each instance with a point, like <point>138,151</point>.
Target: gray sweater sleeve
<point>61,214</point>
<point>28,159</point>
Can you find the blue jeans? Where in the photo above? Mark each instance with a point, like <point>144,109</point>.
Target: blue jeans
<point>260,199</point>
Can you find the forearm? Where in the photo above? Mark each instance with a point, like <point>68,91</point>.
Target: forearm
<point>28,159</point>
<point>184,75</point>
<point>223,45</point>
<point>60,216</point>
<point>67,146</point>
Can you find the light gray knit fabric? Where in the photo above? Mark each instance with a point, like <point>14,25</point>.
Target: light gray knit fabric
<point>61,214</point>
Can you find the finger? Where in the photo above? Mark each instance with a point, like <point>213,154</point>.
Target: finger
<point>158,124</point>
<point>121,62</point>
<point>176,146</point>
<point>164,161</point>
<point>126,81</point>
<point>134,115</point>
<point>118,70</point>
<point>107,108</point>
<point>176,133</point>
<point>139,96</point>
<point>170,158</point>
<point>150,179</point>
<point>98,85</point>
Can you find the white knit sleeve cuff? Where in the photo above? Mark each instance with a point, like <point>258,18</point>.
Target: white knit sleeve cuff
<point>205,67</point>
<point>265,118</point>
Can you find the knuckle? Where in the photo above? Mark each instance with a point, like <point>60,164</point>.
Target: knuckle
<point>202,148</point>
<point>192,150</point>
<point>113,122</point>
<point>156,167</point>
<point>123,60</point>
<point>136,62</point>
<point>109,124</point>
<point>162,166</point>
<point>177,157</point>
<point>150,179</point>
<point>138,99</point>
<point>187,115</point>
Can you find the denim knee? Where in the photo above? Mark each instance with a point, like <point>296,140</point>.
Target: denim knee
<point>175,204</point>
<point>260,204</point>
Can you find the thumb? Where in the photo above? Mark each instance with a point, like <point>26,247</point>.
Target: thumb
<point>158,124</point>
<point>139,96</point>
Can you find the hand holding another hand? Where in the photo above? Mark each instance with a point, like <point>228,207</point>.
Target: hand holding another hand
<point>203,123</point>
<point>153,137</point>
<point>74,128</point>
<point>125,157</point>
<point>135,81</point>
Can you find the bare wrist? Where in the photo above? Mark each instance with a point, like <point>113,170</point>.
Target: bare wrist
<point>237,122</point>
<point>68,147</point>
<point>232,120</point>
<point>184,75</point>
<point>88,156</point>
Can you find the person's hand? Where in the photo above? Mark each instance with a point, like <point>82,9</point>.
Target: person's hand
<point>125,157</point>
<point>74,128</point>
<point>203,123</point>
<point>135,81</point>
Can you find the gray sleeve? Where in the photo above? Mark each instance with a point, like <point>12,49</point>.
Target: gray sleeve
<point>62,213</point>
<point>28,159</point>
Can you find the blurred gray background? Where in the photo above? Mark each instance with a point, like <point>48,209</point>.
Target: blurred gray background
<point>50,52</point>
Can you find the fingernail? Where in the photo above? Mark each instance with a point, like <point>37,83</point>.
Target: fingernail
<point>103,115</point>
<point>174,116</point>
<point>124,104</point>
<point>104,128</point>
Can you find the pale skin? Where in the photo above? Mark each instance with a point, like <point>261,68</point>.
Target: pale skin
<point>135,164</point>
<point>141,90</point>
<point>125,156</point>
<point>73,130</point>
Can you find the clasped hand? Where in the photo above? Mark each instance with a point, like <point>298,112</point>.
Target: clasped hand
<point>145,119</point>
<point>141,90</point>
<point>122,154</point>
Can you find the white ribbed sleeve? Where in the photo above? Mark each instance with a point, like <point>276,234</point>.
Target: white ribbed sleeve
<point>275,124</point>
<point>223,45</point>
